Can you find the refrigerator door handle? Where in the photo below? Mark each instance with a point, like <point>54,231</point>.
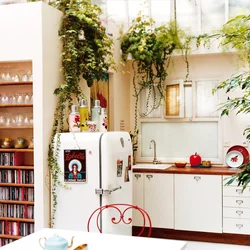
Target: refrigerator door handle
<point>106,191</point>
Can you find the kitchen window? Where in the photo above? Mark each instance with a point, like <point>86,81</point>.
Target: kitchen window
<point>186,123</point>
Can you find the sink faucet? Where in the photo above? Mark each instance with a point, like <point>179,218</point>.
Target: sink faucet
<point>155,160</point>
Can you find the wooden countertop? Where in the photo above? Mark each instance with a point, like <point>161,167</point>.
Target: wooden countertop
<point>214,170</point>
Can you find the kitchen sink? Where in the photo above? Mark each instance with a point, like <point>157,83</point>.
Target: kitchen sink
<point>152,166</point>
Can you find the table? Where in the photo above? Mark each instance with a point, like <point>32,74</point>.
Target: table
<point>96,241</point>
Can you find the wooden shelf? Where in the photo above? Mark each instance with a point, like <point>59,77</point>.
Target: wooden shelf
<point>16,127</point>
<point>17,219</point>
<point>14,237</point>
<point>21,105</point>
<point>16,185</point>
<point>17,202</point>
<point>16,83</point>
<point>23,150</point>
<point>18,167</point>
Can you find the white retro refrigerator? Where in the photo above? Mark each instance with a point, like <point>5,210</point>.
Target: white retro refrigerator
<point>97,168</point>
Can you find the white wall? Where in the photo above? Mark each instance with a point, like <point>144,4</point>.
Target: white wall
<point>119,87</point>
<point>30,32</point>
<point>220,66</point>
<point>51,78</point>
<point>205,66</point>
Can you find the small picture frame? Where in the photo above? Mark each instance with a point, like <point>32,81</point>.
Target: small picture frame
<point>75,166</point>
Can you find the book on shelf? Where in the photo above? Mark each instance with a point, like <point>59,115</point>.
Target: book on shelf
<point>17,176</point>
<point>4,241</point>
<point>12,159</point>
<point>17,211</point>
<point>16,228</point>
<point>17,193</point>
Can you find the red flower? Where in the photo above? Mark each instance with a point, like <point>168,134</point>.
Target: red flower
<point>77,118</point>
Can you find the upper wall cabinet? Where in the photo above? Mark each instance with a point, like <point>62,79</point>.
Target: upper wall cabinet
<point>185,99</point>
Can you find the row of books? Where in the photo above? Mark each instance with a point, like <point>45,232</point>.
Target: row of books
<point>17,193</point>
<point>17,176</point>
<point>17,211</point>
<point>5,241</point>
<point>16,228</point>
<point>12,159</point>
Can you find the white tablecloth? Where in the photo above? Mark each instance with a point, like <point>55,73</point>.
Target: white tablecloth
<point>96,241</point>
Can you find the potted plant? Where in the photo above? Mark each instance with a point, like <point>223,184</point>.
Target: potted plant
<point>236,34</point>
<point>87,53</point>
<point>150,48</point>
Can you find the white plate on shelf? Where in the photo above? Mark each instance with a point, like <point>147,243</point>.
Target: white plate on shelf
<point>234,159</point>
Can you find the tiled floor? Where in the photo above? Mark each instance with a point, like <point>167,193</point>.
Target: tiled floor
<point>191,245</point>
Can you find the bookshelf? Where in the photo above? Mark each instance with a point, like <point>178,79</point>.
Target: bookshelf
<point>16,164</point>
<point>39,52</point>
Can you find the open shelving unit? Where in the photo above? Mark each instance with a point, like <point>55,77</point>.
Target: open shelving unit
<point>38,52</point>
<point>16,164</point>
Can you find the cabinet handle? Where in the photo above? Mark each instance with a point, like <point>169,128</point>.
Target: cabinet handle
<point>239,226</point>
<point>197,178</point>
<point>137,176</point>
<point>239,191</point>
<point>239,212</point>
<point>149,176</point>
<point>239,202</point>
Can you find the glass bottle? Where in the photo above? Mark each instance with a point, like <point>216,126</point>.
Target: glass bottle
<point>84,115</point>
<point>103,120</point>
<point>95,114</point>
<point>74,119</point>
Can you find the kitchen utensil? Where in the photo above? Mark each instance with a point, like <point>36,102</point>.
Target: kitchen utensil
<point>81,247</point>
<point>234,159</point>
<point>180,164</point>
<point>242,150</point>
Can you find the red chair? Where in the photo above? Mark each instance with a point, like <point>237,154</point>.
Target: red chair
<point>121,211</point>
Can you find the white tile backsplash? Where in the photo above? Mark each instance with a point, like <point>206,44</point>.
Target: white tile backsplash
<point>177,140</point>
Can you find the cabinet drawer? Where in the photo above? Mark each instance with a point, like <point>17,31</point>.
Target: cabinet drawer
<point>237,202</point>
<point>236,226</point>
<point>236,191</point>
<point>237,213</point>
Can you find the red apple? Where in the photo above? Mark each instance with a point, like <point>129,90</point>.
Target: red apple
<point>195,160</point>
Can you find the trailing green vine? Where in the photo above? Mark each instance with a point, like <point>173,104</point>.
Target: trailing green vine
<point>87,52</point>
<point>151,48</point>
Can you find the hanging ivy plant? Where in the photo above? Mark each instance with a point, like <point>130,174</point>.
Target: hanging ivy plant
<point>87,52</point>
<point>236,34</point>
<point>151,48</point>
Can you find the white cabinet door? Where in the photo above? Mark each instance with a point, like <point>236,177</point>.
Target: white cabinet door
<point>198,203</point>
<point>138,194</point>
<point>159,199</point>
